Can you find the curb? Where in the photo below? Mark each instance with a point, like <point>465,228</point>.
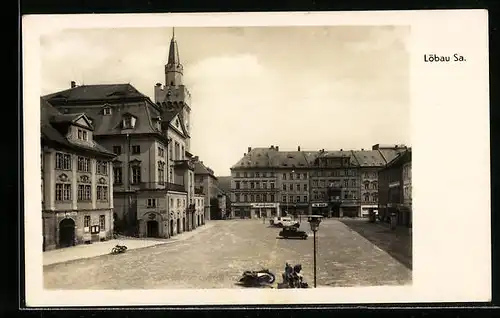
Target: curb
<point>167,241</point>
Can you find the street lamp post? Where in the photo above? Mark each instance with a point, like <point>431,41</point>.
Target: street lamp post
<point>314,221</point>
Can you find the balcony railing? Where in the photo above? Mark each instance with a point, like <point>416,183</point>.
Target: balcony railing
<point>160,186</point>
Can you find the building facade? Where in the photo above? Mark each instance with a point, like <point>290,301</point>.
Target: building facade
<point>76,181</point>
<point>395,189</point>
<point>269,182</point>
<point>153,171</point>
<point>206,180</point>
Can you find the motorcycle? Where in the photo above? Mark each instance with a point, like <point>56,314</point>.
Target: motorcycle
<point>257,278</point>
<point>292,278</point>
<point>118,249</point>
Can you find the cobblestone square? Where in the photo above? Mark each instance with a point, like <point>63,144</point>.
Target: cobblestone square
<point>216,257</point>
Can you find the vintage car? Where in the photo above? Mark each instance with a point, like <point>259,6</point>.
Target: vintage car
<point>292,232</point>
<point>283,221</point>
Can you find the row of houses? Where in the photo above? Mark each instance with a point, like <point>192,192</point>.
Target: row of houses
<point>113,160</point>
<point>270,182</point>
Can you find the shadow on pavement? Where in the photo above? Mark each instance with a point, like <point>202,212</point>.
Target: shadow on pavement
<point>397,243</point>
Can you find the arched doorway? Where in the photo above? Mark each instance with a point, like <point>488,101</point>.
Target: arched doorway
<point>171,227</point>
<point>67,233</point>
<point>178,226</point>
<point>152,229</point>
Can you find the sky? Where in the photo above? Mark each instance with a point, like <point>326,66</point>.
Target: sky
<point>332,87</point>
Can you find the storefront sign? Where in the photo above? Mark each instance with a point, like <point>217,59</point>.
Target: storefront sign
<point>262,205</point>
<point>319,205</point>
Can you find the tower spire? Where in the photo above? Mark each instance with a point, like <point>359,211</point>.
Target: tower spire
<point>174,68</point>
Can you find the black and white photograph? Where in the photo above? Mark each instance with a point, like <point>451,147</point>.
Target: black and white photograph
<point>195,158</point>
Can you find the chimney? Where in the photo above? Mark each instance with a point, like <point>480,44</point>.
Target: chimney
<point>277,148</point>
<point>272,146</point>
<point>73,84</point>
<point>341,149</point>
<point>298,148</point>
<point>244,155</point>
<point>195,158</point>
<point>362,149</point>
<point>375,147</point>
<point>158,84</point>
<point>249,149</point>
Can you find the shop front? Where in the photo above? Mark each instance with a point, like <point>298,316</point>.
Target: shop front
<point>264,210</point>
<point>350,210</point>
<point>365,210</point>
<point>320,208</point>
<point>241,210</point>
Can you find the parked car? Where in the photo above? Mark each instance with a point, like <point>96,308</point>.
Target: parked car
<point>284,221</point>
<point>292,232</point>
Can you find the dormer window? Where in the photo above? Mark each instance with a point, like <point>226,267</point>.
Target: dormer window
<point>128,122</point>
<point>106,111</point>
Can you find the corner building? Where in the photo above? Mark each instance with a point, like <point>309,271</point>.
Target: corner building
<point>76,185</point>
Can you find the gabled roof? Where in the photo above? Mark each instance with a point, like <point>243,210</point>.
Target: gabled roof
<point>96,92</point>
<point>53,130</point>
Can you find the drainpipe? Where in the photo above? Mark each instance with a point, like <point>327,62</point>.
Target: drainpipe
<point>129,180</point>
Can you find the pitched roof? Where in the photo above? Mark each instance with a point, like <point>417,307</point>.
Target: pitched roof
<point>402,158</point>
<point>51,131</point>
<point>369,158</point>
<point>97,92</point>
<point>201,169</point>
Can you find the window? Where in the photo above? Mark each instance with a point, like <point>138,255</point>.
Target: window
<point>182,153</point>
<point>84,192</point>
<point>290,198</point>
<point>251,198</point>
<point>305,198</point>
<point>161,172</point>
<point>305,187</point>
<point>82,134</point>
<point>178,203</point>
<point>354,195</point>
<point>375,196</point>
<point>257,197</point>
<point>353,183</point>
<point>284,176</point>
<point>264,185</point>
<point>117,175</point>
<point>315,195</point>
<point>83,164</point>
<point>170,152</point>
<point>257,175</point>
<point>367,185</point>
<point>161,152</point>
<point>297,176</point>
<point>237,195</point>
<point>304,175</point>
<point>136,175</point>
<point>283,198</point>
<point>346,183</point>
<point>106,111</point>
<point>102,222</point>
<point>367,197</point>
<point>151,203</point>
<point>315,183</point>
<point>85,135</point>
<point>171,175</point>
<point>297,187</point>
<point>102,193</point>
<point>297,199</point>
<point>272,198</point>
<point>245,197</point>
<point>291,175</point>
<point>86,221</point>
<point>346,195</point>
<point>374,185</point>
<point>63,191</point>
<point>257,185</point>
<point>136,149</point>
<point>284,186</point>
<point>245,174</point>
<point>63,161</point>
<point>272,185</point>
<point>237,184</point>
<point>252,185</point>
<point>102,168</point>
<point>128,122</point>
<point>117,150</point>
